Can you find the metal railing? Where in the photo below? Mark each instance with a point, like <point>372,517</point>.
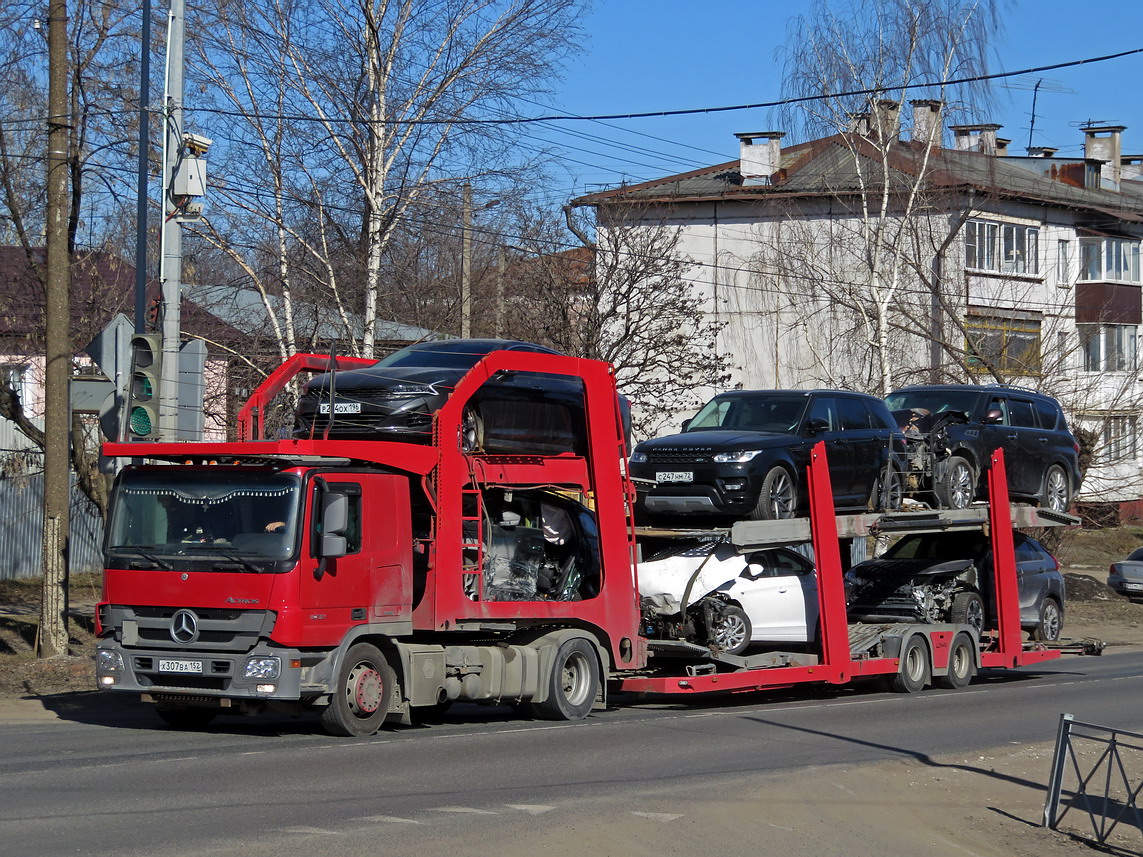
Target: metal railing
<point>1108,791</point>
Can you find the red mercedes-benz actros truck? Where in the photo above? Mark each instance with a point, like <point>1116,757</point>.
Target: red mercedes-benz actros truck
<point>374,579</point>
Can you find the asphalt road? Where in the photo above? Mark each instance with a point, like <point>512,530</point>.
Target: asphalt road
<point>105,777</point>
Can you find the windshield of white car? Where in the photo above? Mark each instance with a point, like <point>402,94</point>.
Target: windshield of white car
<point>775,412</point>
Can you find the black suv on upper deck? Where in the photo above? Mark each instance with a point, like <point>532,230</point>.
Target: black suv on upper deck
<point>953,429</point>
<point>745,454</point>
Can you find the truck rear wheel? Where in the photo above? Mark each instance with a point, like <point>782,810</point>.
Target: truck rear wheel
<point>962,664</point>
<point>360,699</point>
<point>573,682</point>
<point>914,667</point>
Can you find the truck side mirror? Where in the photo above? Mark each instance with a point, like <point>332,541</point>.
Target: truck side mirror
<point>334,520</point>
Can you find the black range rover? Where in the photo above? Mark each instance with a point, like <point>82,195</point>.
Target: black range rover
<point>744,455</point>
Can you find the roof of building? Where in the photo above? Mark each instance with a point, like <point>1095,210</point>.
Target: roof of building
<point>828,167</point>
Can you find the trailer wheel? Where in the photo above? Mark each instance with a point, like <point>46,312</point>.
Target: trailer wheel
<point>914,672</point>
<point>962,664</point>
<point>360,699</point>
<point>1051,622</point>
<point>573,682</point>
<point>185,717</point>
<point>731,630</point>
<point>967,609</point>
<point>957,488</point>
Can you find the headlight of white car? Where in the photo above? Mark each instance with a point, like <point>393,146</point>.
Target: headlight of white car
<point>736,457</point>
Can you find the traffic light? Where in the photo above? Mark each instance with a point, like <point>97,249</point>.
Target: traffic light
<point>143,387</point>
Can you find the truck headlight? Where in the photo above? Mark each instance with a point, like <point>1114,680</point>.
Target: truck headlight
<point>108,661</point>
<point>262,668</point>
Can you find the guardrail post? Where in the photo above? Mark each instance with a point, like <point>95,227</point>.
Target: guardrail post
<point>1056,778</point>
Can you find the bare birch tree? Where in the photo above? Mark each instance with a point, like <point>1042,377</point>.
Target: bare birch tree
<point>345,117</point>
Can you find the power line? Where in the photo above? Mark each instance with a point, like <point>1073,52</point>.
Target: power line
<point>782,102</point>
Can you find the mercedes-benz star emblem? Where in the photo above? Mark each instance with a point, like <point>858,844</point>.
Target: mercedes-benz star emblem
<point>184,627</point>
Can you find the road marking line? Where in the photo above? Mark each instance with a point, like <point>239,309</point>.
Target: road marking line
<point>389,819</point>
<point>531,809</point>
<point>658,816</point>
<point>310,831</point>
<point>465,809</point>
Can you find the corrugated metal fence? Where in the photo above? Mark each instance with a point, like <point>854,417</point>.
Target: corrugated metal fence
<point>22,527</point>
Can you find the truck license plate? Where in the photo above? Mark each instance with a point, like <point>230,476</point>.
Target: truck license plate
<point>173,666</point>
<point>675,476</point>
<point>340,408</point>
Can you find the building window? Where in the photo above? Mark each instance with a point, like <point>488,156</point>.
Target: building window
<point>1063,263</point>
<point>1108,347</point>
<point>1118,439</point>
<point>1109,259</point>
<point>1002,247</point>
<point>16,377</point>
<point>1010,345</point>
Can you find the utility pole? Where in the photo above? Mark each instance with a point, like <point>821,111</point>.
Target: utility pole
<point>171,267</point>
<point>466,263</point>
<point>52,638</point>
<point>144,163</point>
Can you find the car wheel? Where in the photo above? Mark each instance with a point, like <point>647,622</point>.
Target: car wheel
<point>967,609</point>
<point>572,683</point>
<point>1051,622</point>
<point>471,431</point>
<point>731,630</point>
<point>957,488</point>
<point>913,674</point>
<point>962,664</point>
<point>887,491</point>
<point>778,497</point>
<point>1057,493</point>
<point>360,699</point>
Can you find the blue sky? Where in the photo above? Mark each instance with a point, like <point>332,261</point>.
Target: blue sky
<point>644,55</point>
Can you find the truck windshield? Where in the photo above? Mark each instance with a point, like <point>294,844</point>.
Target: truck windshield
<point>179,519</point>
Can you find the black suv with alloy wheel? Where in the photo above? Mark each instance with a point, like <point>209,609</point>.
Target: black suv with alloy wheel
<point>953,429</point>
<point>744,455</point>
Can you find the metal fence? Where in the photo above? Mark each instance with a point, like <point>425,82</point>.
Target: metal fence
<point>1096,771</point>
<point>22,527</point>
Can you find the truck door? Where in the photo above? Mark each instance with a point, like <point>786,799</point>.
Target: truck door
<point>372,582</point>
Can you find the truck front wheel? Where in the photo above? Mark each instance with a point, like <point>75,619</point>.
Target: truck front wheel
<point>360,699</point>
<point>573,682</point>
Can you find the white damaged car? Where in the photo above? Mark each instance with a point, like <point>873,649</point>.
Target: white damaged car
<point>710,594</point>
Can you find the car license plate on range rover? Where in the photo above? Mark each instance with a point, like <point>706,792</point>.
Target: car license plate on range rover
<point>675,476</point>
<point>174,666</point>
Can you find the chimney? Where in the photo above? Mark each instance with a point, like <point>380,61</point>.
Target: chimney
<point>976,138</point>
<point>859,123</point>
<point>1002,147</point>
<point>927,121</point>
<point>1103,143</point>
<point>886,119</point>
<point>1041,151</point>
<point>758,162</point>
<point>1131,168</point>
